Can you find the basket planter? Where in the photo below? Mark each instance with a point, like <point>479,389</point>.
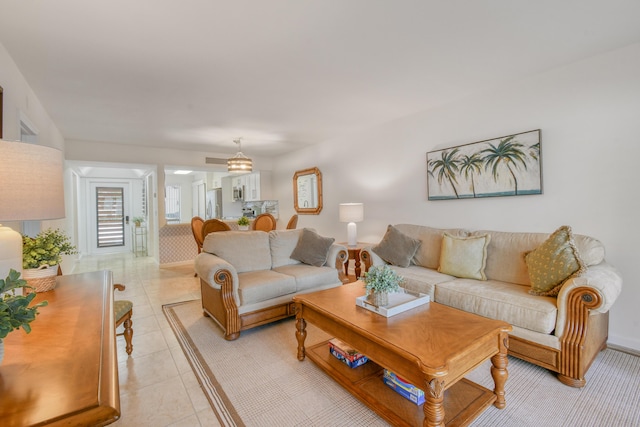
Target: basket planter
<point>379,299</point>
<point>42,279</point>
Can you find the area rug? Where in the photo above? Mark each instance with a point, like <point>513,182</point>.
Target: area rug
<point>257,380</point>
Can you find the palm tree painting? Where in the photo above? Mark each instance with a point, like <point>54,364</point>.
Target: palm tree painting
<point>505,166</point>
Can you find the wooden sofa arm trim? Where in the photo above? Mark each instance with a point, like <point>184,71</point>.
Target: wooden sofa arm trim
<point>341,258</point>
<point>224,278</point>
<point>365,256</point>
<point>579,302</point>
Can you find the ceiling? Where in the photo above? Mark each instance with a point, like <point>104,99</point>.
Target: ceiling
<point>283,74</point>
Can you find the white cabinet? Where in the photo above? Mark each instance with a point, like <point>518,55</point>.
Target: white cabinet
<point>257,186</point>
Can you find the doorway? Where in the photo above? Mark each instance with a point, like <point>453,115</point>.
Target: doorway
<point>109,217</point>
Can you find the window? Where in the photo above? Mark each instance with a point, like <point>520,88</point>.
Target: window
<point>172,204</point>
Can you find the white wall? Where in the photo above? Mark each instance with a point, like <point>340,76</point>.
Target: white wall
<point>19,100</point>
<point>589,116</point>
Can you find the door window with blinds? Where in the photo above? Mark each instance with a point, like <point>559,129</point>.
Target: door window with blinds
<point>110,216</point>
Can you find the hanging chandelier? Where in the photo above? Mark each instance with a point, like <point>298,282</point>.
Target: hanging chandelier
<point>239,163</point>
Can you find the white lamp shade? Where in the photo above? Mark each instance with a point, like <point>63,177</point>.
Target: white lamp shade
<point>351,212</point>
<point>32,182</point>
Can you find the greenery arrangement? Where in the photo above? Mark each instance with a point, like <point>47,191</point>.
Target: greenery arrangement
<point>381,279</point>
<point>14,309</point>
<point>243,221</point>
<point>46,248</point>
<point>138,220</point>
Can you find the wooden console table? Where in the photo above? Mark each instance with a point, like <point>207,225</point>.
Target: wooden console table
<point>65,372</point>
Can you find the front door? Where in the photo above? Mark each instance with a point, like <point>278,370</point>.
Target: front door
<point>109,219</point>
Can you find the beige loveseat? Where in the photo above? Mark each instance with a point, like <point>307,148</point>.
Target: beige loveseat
<point>563,333</point>
<point>248,278</point>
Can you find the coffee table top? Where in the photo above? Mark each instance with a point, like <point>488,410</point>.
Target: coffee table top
<point>431,335</point>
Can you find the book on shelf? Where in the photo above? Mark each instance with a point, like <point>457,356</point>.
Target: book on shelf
<point>346,354</point>
<point>403,388</point>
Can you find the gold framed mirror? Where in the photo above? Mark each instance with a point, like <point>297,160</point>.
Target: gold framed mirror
<point>307,191</point>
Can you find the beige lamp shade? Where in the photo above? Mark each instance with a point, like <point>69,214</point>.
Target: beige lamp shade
<point>31,177</point>
<point>351,212</point>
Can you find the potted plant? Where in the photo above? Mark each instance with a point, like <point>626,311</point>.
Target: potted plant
<point>14,309</point>
<point>243,223</point>
<point>379,281</point>
<point>41,255</point>
<point>138,220</point>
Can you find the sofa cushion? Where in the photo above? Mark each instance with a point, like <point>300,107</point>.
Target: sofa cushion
<point>428,254</point>
<point>501,301</point>
<point>591,250</point>
<point>420,279</point>
<point>309,277</point>
<point>245,250</point>
<point>553,262</point>
<point>312,248</point>
<point>396,247</point>
<point>263,285</point>
<point>282,243</point>
<point>464,256</point>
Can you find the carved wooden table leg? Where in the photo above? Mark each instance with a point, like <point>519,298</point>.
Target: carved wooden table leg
<point>301,333</point>
<point>499,371</point>
<point>434,404</point>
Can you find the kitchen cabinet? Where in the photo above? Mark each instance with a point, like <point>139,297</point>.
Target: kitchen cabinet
<point>257,186</point>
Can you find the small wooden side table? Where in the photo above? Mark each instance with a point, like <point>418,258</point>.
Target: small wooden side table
<point>354,254</point>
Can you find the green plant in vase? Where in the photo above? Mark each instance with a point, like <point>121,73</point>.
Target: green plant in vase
<point>379,281</point>
<point>138,220</point>
<point>14,309</point>
<point>243,221</point>
<point>40,254</point>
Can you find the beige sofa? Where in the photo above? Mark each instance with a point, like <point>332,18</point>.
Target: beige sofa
<point>563,333</point>
<point>248,278</point>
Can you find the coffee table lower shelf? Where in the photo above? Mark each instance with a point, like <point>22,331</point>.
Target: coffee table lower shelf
<point>463,401</point>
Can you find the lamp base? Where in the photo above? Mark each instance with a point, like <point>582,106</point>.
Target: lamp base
<point>10,251</point>
<point>352,234</point>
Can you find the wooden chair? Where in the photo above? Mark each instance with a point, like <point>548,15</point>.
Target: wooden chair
<point>123,311</point>
<point>196,229</point>
<point>213,225</point>
<point>293,222</point>
<point>264,222</point>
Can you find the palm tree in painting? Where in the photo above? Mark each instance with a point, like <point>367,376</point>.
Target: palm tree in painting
<point>470,166</point>
<point>446,168</point>
<point>508,153</point>
<point>534,151</point>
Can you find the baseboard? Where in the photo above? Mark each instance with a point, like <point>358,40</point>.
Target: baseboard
<point>176,264</point>
<point>627,350</point>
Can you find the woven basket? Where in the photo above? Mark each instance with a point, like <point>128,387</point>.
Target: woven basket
<point>379,299</point>
<point>41,279</point>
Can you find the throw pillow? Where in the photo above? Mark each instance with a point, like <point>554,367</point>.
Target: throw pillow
<point>312,248</point>
<point>464,256</point>
<point>396,248</point>
<point>554,262</point>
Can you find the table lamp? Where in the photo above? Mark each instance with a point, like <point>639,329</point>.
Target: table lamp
<point>351,213</point>
<point>32,189</point>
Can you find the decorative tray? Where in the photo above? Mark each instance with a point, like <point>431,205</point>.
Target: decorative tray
<point>398,302</point>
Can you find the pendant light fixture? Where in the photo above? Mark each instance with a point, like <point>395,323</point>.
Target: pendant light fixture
<point>239,163</point>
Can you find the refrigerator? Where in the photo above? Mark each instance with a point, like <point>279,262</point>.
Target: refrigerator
<point>214,204</point>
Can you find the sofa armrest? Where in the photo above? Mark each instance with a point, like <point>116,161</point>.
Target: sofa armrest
<point>596,291</point>
<point>370,258</point>
<point>336,258</point>
<point>208,265</point>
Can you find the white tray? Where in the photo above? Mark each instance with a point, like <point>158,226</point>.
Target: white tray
<point>398,302</point>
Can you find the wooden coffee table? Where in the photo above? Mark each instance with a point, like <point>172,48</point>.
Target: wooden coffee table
<point>432,346</point>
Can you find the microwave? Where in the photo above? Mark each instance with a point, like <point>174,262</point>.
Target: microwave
<point>238,193</point>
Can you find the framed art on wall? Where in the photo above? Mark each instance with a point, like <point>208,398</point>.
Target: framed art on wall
<point>506,166</point>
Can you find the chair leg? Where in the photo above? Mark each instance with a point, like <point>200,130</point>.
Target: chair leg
<point>128,333</point>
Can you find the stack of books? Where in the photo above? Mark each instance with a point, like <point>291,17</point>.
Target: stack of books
<point>346,354</point>
<point>402,387</point>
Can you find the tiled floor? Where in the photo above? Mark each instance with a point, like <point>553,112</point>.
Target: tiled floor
<point>157,385</point>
